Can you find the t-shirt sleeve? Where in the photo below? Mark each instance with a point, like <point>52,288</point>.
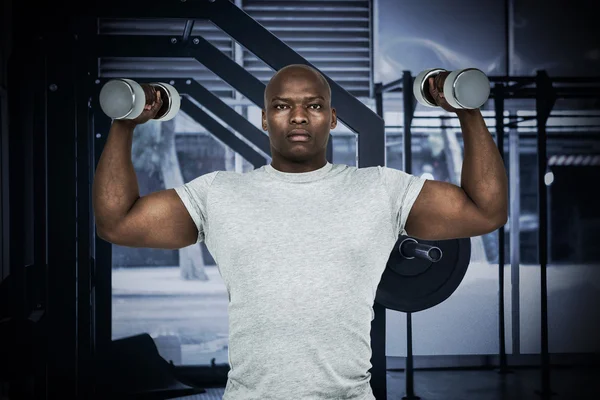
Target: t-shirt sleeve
<point>402,189</point>
<point>194,195</point>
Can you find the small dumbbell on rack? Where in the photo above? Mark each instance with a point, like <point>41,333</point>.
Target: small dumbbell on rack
<point>125,99</point>
<point>463,89</point>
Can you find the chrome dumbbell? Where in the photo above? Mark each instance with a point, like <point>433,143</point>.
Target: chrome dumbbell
<point>463,89</point>
<point>125,99</point>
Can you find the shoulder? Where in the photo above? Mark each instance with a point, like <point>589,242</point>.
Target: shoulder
<point>204,180</point>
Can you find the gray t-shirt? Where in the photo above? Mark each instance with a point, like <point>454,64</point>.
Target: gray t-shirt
<point>301,255</point>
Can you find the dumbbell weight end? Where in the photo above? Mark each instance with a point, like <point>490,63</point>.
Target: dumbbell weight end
<point>467,88</point>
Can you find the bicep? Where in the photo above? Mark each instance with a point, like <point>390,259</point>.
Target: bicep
<point>158,220</point>
<point>444,211</point>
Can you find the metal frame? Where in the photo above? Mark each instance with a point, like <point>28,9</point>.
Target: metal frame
<point>4,186</point>
<point>4,213</point>
<point>545,91</point>
<point>61,192</point>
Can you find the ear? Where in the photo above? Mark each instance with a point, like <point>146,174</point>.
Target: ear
<point>264,120</point>
<point>333,118</point>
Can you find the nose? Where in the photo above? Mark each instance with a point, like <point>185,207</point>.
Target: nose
<point>298,116</point>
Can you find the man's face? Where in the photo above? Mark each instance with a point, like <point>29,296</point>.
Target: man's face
<point>298,102</point>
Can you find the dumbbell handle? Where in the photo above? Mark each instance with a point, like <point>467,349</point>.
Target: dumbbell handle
<point>410,248</point>
<point>149,92</point>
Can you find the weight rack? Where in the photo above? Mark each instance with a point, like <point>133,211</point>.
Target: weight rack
<point>545,91</point>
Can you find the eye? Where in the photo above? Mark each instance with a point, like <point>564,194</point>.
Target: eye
<point>315,106</point>
<point>280,106</point>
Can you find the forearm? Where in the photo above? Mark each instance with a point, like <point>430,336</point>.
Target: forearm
<point>115,188</point>
<point>483,176</point>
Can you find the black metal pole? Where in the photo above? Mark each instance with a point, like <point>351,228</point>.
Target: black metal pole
<point>544,104</point>
<point>85,65</point>
<point>62,203</point>
<point>102,265</point>
<point>508,35</point>
<point>409,110</point>
<point>409,370</point>
<point>379,99</point>
<point>378,359</point>
<point>20,86</point>
<point>499,114</point>
<point>39,215</point>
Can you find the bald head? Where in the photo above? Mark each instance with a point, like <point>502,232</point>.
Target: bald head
<point>296,71</point>
<point>298,102</point>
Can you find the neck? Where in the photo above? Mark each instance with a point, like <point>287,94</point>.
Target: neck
<point>293,167</point>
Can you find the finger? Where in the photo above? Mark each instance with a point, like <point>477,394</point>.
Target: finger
<point>441,84</point>
<point>441,101</point>
<point>432,90</point>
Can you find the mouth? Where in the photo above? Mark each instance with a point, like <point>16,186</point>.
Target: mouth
<point>298,138</point>
<point>298,132</point>
<point>298,135</point>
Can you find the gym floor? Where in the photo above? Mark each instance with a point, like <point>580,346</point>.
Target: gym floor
<point>521,384</point>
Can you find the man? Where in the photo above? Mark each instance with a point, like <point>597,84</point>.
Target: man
<point>300,243</point>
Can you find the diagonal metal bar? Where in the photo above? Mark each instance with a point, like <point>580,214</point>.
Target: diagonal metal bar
<point>200,49</point>
<point>275,53</point>
<point>230,116</point>
<point>222,133</point>
<point>142,46</point>
<point>187,30</point>
<point>228,70</point>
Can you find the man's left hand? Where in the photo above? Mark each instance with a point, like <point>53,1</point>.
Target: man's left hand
<point>436,87</point>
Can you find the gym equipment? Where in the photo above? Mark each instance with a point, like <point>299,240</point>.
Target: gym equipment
<point>125,99</point>
<point>421,274</point>
<point>467,88</point>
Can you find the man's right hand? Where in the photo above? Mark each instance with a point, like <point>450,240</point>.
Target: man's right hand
<point>150,110</point>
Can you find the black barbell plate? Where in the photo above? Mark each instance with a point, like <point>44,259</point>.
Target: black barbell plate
<point>411,285</point>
